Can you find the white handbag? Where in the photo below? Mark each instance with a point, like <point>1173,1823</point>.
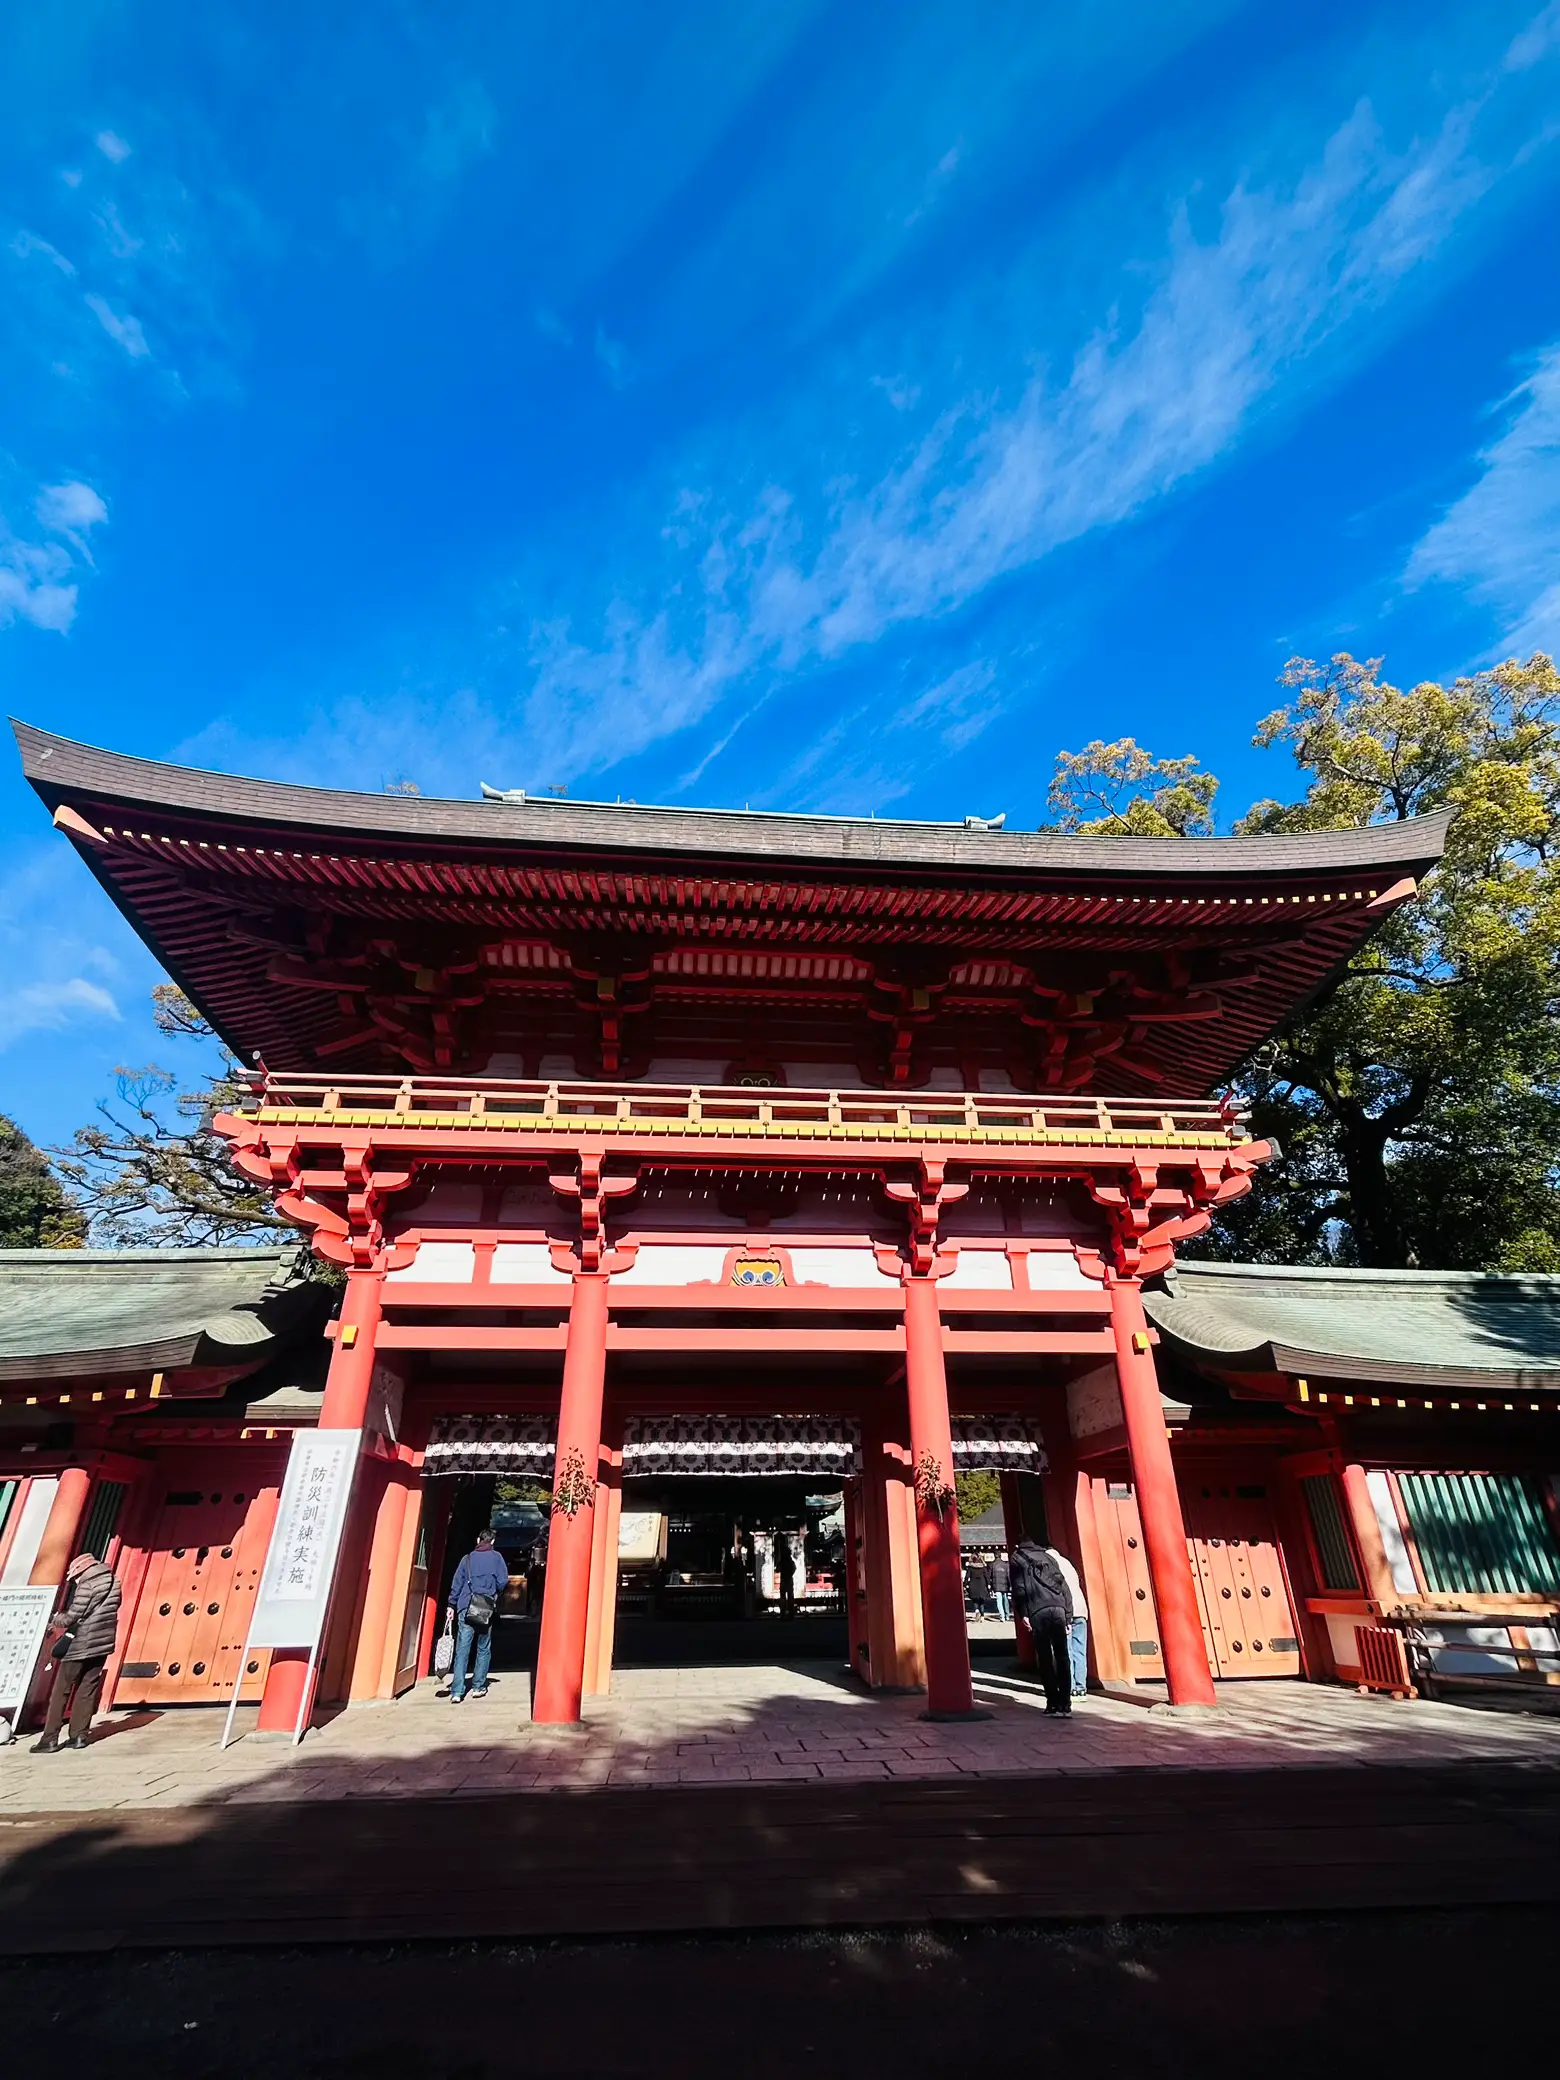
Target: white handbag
<point>444,1649</point>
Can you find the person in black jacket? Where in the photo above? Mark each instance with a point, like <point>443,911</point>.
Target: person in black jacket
<point>1041,1599</point>
<point>85,1634</point>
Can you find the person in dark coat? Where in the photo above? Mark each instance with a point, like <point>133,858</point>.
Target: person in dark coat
<point>1002,1587</point>
<point>484,1574</point>
<point>86,1630</point>
<point>1041,1599</point>
<point>785,1573</point>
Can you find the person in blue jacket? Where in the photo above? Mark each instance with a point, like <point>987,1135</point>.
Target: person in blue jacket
<point>480,1581</point>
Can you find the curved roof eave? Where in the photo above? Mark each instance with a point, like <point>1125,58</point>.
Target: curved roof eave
<point>63,770</point>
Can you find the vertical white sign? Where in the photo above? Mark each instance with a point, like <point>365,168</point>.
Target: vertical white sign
<point>301,1565</point>
<point>24,1619</point>
<point>300,1569</point>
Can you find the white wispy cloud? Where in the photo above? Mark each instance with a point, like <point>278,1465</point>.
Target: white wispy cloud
<point>58,972</point>
<point>37,576</point>
<point>49,1006</point>
<point>867,758</point>
<point>112,146</point>
<point>70,509</point>
<point>1155,395</point>
<point>1501,540</point>
<point>121,326</point>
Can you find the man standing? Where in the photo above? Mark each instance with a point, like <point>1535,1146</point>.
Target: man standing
<point>480,1580</point>
<point>1041,1600</point>
<point>84,1639</point>
<point>785,1574</point>
<point>1002,1587</point>
<point>1077,1624</point>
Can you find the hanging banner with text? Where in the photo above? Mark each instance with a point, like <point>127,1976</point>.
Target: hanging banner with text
<point>301,1566</point>
<point>24,1619</point>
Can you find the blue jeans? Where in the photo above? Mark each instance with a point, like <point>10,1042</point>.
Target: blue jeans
<point>1003,1599</point>
<point>464,1636</point>
<point>1078,1654</point>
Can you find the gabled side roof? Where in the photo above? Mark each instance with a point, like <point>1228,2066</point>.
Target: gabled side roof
<point>87,1312</point>
<point>1432,1328</point>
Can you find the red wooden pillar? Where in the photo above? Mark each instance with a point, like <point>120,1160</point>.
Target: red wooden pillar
<point>948,1691</point>
<point>1159,1501</point>
<point>344,1407</point>
<point>560,1655</point>
<point>895,1656</point>
<point>62,1528</point>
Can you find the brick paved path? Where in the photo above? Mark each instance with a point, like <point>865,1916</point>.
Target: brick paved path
<point>747,1725</point>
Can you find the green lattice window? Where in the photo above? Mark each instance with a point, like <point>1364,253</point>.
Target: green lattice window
<point>1484,1534</point>
<point>1334,1554</point>
<point>103,1518</point>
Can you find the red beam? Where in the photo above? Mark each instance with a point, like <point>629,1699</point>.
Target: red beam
<point>752,1301</point>
<point>440,1336</point>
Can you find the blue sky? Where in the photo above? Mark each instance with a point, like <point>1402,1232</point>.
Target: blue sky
<point>838,406</point>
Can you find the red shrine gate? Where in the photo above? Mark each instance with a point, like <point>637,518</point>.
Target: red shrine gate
<point>807,1045</point>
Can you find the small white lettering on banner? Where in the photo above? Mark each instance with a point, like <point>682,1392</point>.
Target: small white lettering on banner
<point>24,1618</point>
<point>304,1543</point>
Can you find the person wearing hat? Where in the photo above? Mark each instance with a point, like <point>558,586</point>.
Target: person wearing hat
<point>84,1636</point>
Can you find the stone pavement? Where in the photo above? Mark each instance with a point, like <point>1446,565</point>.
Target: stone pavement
<point>759,1725</point>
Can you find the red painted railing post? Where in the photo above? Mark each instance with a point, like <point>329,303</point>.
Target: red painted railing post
<point>1158,1501</point>
<point>948,1691</point>
<point>560,1657</point>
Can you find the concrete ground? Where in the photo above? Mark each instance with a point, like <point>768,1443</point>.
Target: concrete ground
<point>771,1724</point>
<point>1295,1995</point>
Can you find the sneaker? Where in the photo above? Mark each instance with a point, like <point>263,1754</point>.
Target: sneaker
<point>457,1697</point>
<point>479,1693</point>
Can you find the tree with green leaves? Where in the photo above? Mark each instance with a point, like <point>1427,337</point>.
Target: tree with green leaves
<point>36,1211</point>
<point>975,1493</point>
<point>151,1169</point>
<point>1418,1102</point>
<point>1423,1096</point>
<point>1122,791</point>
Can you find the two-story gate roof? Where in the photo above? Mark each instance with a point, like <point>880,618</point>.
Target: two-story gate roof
<point>319,928</point>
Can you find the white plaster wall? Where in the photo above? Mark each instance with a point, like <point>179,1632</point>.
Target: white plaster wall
<point>437,1263</point>
<point>981,1270</point>
<point>838,1267</point>
<point>674,1264</point>
<point>1094,1402</point>
<point>525,1264</point>
<point>1056,1271</point>
<point>1391,1534</point>
<point>29,1532</point>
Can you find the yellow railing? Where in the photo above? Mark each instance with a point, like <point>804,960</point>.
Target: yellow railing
<point>492,1105</point>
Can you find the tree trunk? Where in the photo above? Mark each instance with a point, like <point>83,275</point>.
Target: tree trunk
<point>1378,1234</point>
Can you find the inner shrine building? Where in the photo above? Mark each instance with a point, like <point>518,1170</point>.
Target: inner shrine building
<point>726,1147</point>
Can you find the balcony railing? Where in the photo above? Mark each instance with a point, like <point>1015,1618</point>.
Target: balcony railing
<point>486,1105</point>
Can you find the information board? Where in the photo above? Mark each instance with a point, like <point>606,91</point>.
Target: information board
<point>300,1568</point>
<point>301,1565</point>
<point>24,1619</point>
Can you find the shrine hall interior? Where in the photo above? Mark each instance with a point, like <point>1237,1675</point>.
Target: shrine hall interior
<point>658,1146</point>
